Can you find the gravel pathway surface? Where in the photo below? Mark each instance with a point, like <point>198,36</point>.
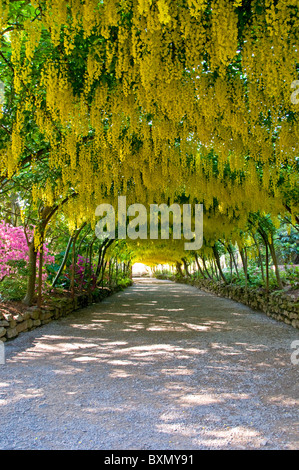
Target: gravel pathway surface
<point>157,366</point>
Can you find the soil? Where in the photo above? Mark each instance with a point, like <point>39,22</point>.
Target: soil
<point>157,366</point>
<point>12,307</point>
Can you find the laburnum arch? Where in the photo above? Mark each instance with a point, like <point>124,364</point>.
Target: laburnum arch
<point>155,100</point>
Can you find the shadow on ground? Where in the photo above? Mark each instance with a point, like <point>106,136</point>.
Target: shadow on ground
<point>157,366</point>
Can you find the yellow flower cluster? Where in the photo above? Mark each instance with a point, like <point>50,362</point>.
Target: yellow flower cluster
<point>166,85</point>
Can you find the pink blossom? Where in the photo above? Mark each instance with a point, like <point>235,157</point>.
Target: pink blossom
<point>13,248</point>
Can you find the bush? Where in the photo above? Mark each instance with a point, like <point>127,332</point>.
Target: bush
<point>13,289</point>
<point>124,282</point>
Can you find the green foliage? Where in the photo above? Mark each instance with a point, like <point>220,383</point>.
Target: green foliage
<point>124,282</point>
<point>287,245</point>
<point>291,276</point>
<point>13,289</point>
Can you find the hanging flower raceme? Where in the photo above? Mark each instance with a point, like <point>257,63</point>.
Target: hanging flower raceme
<point>153,99</point>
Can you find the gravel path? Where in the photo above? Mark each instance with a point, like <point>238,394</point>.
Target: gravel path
<point>157,366</point>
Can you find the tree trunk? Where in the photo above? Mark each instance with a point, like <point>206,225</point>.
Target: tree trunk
<point>59,272</point>
<point>179,269</point>
<point>216,270</point>
<point>101,261</point>
<point>265,238</point>
<point>212,269</point>
<point>90,264</point>
<point>28,299</point>
<point>103,273</point>
<point>231,252</point>
<point>267,267</point>
<point>198,266</point>
<point>206,269</point>
<point>216,254</point>
<point>186,267</point>
<point>260,256</point>
<point>274,258</point>
<point>73,268</point>
<point>231,267</point>
<point>40,274</point>
<point>74,259</point>
<point>102,251</point>
<point>110,272</point>
<point>116,271</point>
<point>244,262</point>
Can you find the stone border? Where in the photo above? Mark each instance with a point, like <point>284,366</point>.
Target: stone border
<point>276,304</point>
<point>12,325</point>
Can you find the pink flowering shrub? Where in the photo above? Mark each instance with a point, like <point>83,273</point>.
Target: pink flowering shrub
<point>14,257</point>
<point>82,273</point>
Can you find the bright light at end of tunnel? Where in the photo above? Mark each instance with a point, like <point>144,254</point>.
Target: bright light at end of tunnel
<point>139,268</point>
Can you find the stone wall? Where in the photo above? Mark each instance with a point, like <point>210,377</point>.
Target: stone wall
<point>12,325</point>
<point>282,306</point>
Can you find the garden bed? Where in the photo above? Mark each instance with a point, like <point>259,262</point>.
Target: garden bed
<point>16,318</point>
<point>282,305</point>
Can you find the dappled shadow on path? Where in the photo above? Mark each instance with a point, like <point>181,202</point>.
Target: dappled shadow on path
<point>156,366</point>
